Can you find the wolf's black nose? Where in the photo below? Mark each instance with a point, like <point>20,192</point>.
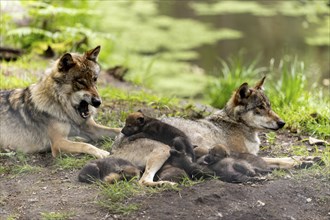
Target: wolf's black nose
<point>96,102</point>
<point>280,124</point>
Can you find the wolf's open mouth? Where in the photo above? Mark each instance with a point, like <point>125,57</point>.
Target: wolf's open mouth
<point>83,109</point>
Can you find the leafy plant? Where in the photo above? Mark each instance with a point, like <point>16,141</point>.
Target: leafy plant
<point>291,86</point>
<point>231,76</point>
<point>47,27</point>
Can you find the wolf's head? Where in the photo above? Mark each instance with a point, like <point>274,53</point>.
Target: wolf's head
<point>75,76</point>
<point>251,107</point>
<point>134,123</point>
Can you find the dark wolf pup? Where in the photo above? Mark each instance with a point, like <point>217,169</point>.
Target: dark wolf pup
<point>60,105</point>
<point>139,125</point>
<point>231,167</point>
<point>109,170</point>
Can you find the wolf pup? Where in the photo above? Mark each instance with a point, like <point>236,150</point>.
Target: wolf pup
<point>109,170</point>
<point>236,168</point>
<point>62,104</point>
<point>256,165</point>
<point>139,125</point>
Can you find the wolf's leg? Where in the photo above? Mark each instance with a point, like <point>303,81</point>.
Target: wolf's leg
<point>67,146</point>
<point>96,131</point>
<point>291,162</point>
<point>58,133</point>
<point>155,161</point>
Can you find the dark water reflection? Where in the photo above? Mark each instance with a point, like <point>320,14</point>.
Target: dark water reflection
<point>278,37</point>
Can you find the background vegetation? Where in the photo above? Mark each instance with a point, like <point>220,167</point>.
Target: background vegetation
<point>195,54</point>
<point>161,51</point>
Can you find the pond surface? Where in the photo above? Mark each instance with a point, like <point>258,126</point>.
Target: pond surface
<point>277,36</point>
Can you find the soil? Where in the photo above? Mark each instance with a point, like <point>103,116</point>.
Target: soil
<point>296,195</point>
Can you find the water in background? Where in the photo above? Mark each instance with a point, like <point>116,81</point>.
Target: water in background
<point>265,37</point>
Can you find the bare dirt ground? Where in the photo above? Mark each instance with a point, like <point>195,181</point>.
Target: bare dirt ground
<point>297,195</point>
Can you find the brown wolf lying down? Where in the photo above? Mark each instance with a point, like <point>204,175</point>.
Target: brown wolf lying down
<point>229,166</point>
<point>109,169</point>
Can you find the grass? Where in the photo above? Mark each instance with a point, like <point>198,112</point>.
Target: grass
<point>116,197</point>
<point>56,215</point>
<point>69,162</point>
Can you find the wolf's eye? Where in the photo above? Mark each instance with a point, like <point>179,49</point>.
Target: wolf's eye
<point>95,79</point>
<point>81,82</point>
<point>257,111</point>
<point>261,107</point>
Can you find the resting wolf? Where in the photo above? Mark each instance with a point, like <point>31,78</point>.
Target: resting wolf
<point>43,115</point>
<point>247,112</point>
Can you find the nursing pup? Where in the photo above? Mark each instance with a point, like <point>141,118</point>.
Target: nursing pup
<point>109,170</point>
<point>231,167</point>
<point>139,125</point>
<point>62,104</point>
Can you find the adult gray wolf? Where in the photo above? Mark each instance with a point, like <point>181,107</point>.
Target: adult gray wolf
<point>236,126</point>
<point>43,115</point>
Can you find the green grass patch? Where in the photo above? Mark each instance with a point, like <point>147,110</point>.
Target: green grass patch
<point>56,215</point>
<point>25,168</point>
<point>150,99</point>
<point>12,81</point>
<point>115,197</point>
<point>68,162</point>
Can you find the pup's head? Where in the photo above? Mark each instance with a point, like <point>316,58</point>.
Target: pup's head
<point>134,123</point>
<point>251,107</point>
<point>216,153</point>
<point>75,76</point>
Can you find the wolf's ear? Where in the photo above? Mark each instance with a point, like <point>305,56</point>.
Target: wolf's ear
<point>242,92</point>
<point>92,54</point>
<point>260,84</point>
<point>66,62</point>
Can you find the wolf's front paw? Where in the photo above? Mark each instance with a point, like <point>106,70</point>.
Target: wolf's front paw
<point>101,154</point>
<point>306,162</point>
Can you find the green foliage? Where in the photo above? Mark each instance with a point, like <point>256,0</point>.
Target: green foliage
<point>11,82</point>
<point>290,87</point>
<point>61,24</point>
<point>219,89</point>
